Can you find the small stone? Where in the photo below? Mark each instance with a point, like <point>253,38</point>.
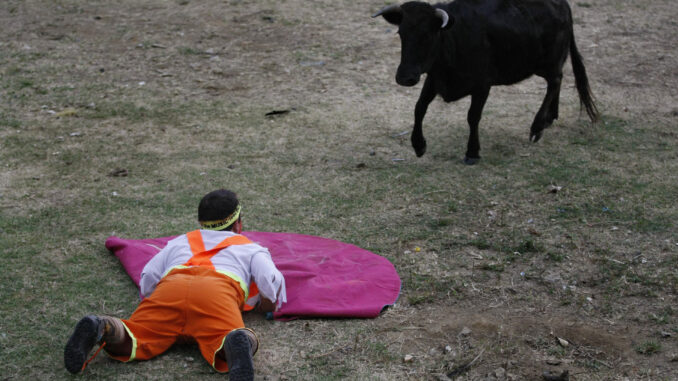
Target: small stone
<point>563,342</point>
<point>448,349</point>
<point>500,373</point>
<point>552,361</point>
<point>408,358</point>
<point>553,188</point>
<point>465,331</point>
<point>70,111</point>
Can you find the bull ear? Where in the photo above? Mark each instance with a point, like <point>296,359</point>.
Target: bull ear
<point>391,13</point>
<point>446,20</point>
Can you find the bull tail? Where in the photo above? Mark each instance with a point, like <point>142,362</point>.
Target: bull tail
<point>582,81</point>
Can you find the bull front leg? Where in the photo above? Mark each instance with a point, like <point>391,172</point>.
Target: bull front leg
<point>425,98</point>
<point>478,99</point>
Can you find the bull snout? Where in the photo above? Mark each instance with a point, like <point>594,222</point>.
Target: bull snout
<point>407,77</point>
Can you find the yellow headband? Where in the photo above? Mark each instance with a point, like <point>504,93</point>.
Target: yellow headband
<point>220,224</point>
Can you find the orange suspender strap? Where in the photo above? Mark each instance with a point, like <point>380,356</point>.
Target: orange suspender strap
<point>253,298</point>
<point>202,257</point>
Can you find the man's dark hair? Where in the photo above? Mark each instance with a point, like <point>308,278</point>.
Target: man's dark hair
<point>218,205</point>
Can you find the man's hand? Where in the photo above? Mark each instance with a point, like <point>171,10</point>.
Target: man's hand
<point>264,305</point>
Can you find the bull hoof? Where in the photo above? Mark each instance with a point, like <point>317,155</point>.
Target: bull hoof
<point>471,160</point>
<point>534,137</point>
<point>420,151</point>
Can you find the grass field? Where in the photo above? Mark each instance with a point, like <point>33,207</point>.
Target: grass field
<point>116,117</point>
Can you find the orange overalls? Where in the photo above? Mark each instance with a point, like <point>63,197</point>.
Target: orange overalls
<point>192,300</point>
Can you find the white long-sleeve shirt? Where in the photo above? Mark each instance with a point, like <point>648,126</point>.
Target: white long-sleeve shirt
<point>243,263</point>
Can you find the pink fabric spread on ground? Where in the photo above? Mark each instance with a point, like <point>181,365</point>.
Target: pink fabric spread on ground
<point>324,277</point>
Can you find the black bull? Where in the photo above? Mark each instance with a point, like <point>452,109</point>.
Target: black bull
<point>468,46</point>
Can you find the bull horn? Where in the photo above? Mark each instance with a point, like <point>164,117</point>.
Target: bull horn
<point>387,9</point>
<point>442,15</point>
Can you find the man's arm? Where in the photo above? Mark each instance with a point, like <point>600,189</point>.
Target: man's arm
<point>153,272</point>
<point>270,282</point>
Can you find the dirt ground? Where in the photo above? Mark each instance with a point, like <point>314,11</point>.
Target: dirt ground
<point>290,53</point>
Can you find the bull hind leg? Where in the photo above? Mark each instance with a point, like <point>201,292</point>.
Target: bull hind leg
<point>548,112</point>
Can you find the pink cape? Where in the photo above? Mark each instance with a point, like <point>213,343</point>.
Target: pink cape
<point>324,277</point>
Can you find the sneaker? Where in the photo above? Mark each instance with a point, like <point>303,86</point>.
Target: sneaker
<point>238,350</point>
<point>86,335</point>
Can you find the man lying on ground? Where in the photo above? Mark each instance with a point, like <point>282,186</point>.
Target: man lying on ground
<point>192,292</point>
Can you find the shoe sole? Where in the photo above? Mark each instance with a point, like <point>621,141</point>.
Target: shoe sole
<point>80,344</point>
<point>238,358</point>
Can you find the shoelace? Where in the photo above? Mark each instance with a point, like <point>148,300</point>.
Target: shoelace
<point>103,344</point>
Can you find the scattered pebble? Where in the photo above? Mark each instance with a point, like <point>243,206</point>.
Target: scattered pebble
<point>553,188</point>
<point>65,112</point>
<point>118,172</point>
<point>551,376</point>
<point>563,342</point>
<point>408,358</point>
<point>312,63</point>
